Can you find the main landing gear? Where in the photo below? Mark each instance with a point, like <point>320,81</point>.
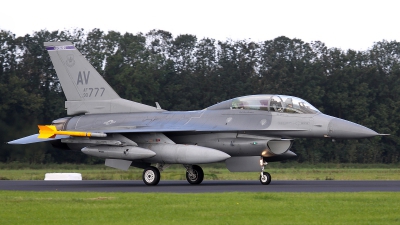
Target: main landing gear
<point>265,177</point>
<point>151,175</point>
<point>194,174</point>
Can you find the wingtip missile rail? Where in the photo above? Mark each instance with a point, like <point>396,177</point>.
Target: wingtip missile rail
<point>50,131</point>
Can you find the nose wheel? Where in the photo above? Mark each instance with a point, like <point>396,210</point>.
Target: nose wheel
<point>265,177</point>
<point>151,176</point>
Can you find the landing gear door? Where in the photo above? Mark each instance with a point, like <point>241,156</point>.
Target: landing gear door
<point>243,164</point>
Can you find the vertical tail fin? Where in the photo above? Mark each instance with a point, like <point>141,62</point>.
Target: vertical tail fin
<point>85,89</point>
<point>80,81</point>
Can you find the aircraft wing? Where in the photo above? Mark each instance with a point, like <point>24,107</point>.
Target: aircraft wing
<point>176,129</point>
<point>34,139</point>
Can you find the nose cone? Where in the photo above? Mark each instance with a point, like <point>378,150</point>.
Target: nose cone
<point>339,128</point>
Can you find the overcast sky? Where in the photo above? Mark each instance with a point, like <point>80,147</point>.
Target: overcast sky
<point>346,24</point>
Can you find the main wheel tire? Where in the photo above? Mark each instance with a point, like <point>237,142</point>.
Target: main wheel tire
<point>197,176</point>
<point>265,179</point>
<point>151,176</point>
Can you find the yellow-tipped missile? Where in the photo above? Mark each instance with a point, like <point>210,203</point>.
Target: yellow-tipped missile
<point>50,131</point>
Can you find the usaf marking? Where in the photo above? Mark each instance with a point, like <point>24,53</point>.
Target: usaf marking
<point>85,77</point>
<point>88,92</point>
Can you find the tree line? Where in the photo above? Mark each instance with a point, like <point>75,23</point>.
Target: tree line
<point>187,73</point>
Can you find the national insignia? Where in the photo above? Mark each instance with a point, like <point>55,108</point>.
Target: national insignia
<point>70,62</point>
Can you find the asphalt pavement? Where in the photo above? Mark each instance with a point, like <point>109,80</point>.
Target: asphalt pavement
<point>205,187</point>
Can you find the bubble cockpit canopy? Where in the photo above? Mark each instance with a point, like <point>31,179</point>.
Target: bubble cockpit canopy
<point>272,103</point>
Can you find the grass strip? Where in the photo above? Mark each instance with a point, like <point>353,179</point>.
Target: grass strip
<point>226,208</point>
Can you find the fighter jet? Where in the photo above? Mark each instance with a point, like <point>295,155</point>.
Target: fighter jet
<point>245,132</point>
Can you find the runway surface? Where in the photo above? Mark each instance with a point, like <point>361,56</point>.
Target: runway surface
<point>205,187</point>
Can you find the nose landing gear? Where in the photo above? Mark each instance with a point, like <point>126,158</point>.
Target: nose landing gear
<point>265,177</point>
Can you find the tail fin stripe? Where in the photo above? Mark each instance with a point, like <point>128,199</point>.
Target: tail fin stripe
<point>62,47</point>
